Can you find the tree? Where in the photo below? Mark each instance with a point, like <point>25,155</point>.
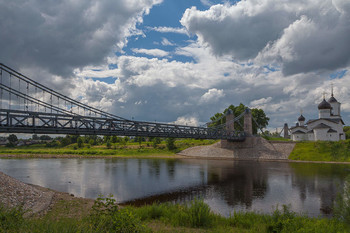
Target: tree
<point>170,143</point>
<point>80,142</point>
<point>139,140</point>
<point>106,138</point>
<point>156,141</point>
<point>45,137</point>
<point>108,144</point>
<point>114,139</point>
<point>12,138</point>
<point>35,137</point>
<point>65,141</point>
<point>347,131</point>
<point>258,115</point>
<point>126,139</point>
<point>92,142</point>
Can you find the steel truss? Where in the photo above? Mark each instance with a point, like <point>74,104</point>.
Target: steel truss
<point>62,120</point>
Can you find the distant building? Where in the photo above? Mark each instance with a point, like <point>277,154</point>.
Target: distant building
<point>328,126</point>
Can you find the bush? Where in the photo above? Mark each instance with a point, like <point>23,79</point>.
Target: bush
<point>109,145</point>
<point>80,142</point>
<point>107,217</point>
<point>170,143</point>
<point>10,144</point>
<point>199,214</point>
<point>52,144</point>
<point>156,141</point>
<point>10,219</point>
<point>342,203</point>
<point>92,142</point>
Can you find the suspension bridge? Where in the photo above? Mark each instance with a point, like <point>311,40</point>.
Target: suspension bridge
<point>26,106</point>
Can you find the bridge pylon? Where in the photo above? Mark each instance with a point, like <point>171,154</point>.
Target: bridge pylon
<point>250,140</point>
<point>248,124</point>
<point>230,121</point>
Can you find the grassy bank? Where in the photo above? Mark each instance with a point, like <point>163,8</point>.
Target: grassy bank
<point>322,151</point>
<point>105,216</point>
<point>128,149</point>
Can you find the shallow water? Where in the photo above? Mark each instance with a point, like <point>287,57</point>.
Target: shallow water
<point>225,185</point>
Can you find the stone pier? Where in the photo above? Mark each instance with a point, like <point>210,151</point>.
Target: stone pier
<point>254,148</point>
<point>250,140</point>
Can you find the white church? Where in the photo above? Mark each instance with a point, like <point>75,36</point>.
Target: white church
<point>328,126</point>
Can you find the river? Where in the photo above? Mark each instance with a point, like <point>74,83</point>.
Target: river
<point>225,185</point>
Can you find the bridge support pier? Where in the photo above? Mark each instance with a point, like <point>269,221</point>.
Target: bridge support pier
<point>250,140</point>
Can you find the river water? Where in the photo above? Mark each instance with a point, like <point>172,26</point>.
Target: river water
<point>225,185</point>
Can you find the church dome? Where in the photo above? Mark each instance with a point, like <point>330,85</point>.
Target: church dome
<point>324,105</point>
<point>301,118</point>
<point>332,100</point>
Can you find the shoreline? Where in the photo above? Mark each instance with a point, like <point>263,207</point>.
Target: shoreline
<point>174,156</point>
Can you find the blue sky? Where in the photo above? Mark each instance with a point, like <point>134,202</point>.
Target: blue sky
<point>183,61</point>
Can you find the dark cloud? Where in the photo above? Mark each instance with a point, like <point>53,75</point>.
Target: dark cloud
<point>63,35</point>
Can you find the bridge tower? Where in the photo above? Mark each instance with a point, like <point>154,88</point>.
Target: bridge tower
<point>230,124</point>
<point>250,140</point>
<point>248,125</point>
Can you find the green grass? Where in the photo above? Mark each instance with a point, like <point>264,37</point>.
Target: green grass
<point>128,150</point>
<point>276,139</point>
<point>322,151</point>
<point>192,217</point>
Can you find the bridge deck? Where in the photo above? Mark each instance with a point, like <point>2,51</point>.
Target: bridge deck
<point>17,121</point>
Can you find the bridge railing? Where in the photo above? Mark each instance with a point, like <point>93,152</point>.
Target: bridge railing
<point>17,121</point>
<point>27,106</point>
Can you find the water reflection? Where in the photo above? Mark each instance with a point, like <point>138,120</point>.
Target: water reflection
<point>224,185</point>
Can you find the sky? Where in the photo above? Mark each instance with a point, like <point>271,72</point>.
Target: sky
<point>183,61</point>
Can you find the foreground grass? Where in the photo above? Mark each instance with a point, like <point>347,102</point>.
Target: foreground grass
<point>322,151</point>
<point>105,216</point>
<point>115,149</point>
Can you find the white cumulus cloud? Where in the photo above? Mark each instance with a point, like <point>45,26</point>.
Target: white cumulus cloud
<point>152,52</point>
<point>212,95</point>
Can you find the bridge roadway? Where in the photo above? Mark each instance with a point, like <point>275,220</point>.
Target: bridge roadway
<point>59,114</point>
<point>18,121</point>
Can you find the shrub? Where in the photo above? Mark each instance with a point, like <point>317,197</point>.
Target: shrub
<point>92,142</point>
<point>107,217</point>
<point>52,144</point>
<point>10,219</point>
<point>156,141</point>
<point>281,219</point>
<point>10,144</point>
<point>342,203</point>
<point>80,142</point>
<point>109,145</point>
<point>170,143</point>
<point>197,214</point>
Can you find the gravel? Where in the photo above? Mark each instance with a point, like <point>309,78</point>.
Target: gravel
<point>33,199</point>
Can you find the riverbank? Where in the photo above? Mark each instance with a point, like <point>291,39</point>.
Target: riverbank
<point>322,151</point>
<point>34,200</point>
<point>107,150</point>
<point>65,213</point>
<point>253,148</point>
<point>267,150</point>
